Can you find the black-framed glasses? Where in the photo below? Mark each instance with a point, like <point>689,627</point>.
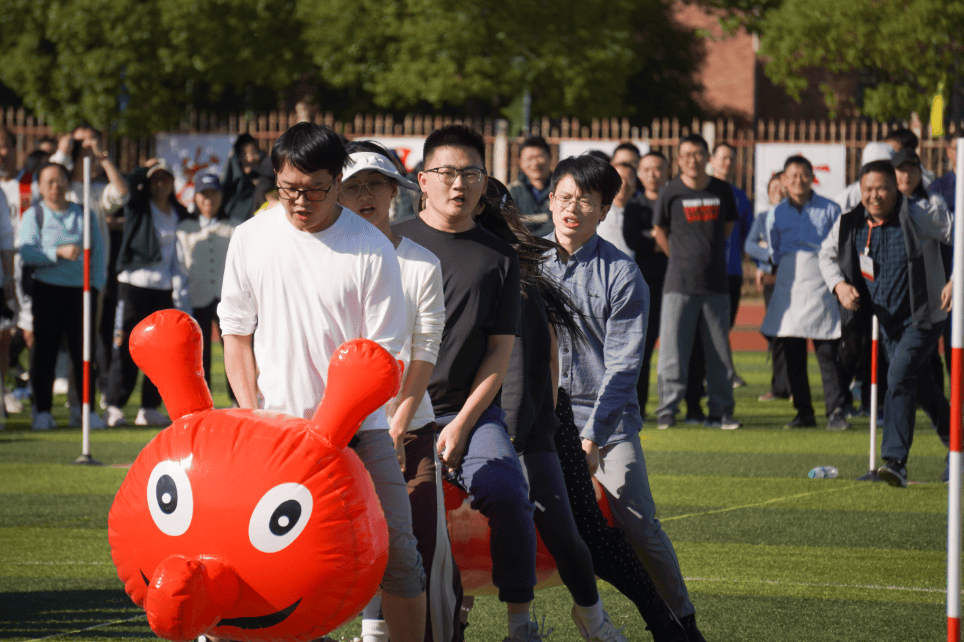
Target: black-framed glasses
<point>375,187</point>
<point>313,195</point>
<point>582,205</point>
<point>470,175</point>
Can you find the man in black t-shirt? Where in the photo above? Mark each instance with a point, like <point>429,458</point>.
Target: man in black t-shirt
<point>481,281</point>
<point>694,216</point>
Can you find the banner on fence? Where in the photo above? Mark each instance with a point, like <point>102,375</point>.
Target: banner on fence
<point>192,154</point>
<point>569,148</point>
<point>829,168</point>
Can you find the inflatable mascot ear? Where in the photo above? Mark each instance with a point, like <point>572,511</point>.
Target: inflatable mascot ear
<point>245,524</point>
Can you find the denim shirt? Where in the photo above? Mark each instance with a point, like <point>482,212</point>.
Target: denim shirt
<point>600,374</point>
<point>800,230</point>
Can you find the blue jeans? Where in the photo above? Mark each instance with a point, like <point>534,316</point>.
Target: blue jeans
<point>910,381</point>
<point>493,476</point>
<point>683,316</point>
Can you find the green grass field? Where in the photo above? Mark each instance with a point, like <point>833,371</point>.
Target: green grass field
<point>768,554</point>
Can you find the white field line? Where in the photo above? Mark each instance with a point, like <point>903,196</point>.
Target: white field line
<point>876,587</point>
<point>775,500</point>
<point>90,628</point>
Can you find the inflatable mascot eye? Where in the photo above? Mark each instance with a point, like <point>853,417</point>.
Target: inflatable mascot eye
<point>279,517</point>
<point>169,497</point>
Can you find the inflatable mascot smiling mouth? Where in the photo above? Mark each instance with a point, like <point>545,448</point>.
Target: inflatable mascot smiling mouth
<point>246,524</point>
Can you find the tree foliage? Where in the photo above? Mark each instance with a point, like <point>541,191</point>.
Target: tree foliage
<point>137,65</point>
<point>901,49</point>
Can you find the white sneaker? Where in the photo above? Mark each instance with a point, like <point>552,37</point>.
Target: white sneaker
<point>115,416</point>
<point>151,417</point>
<point>11,404</point>
<point>606,633</point>
<point>77,419</point>
<point>61,386</point>
<point>44,421</point>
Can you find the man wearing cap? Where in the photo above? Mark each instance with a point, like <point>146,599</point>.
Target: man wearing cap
<point>873,151</point>
<point>147,272</point>
<point>883,257</point>
<point>204,243</point>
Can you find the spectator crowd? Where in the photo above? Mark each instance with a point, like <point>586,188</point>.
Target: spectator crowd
<point>526,317</point>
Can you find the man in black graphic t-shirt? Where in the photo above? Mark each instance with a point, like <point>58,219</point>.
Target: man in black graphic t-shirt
<point>694,216</point>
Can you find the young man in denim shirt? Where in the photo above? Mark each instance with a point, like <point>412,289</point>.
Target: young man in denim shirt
<point>600,375</point>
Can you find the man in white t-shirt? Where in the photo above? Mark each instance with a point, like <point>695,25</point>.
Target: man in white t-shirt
<point>302,278</point>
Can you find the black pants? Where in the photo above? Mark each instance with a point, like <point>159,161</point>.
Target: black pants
<point>779,383</point>
<point>134,304</point>
<point>795,351</point>
<point>57,312</point>
<point>205,316</point>
<point>856,360</point>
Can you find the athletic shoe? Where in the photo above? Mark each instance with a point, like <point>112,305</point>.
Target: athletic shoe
<point>115,416</point>
<point>11,404</point>
<point>836,420</point>
<point>665,421</point>
<point>151,417</point>
<point>853,411</point>
<point>894,473</point>
<point>724,422</point>
<point>61,386</point>
<point>738,381</point>
<point>530,632</point>
<point>692,633</point>
<point>694,418</point>
<point>44,421</point>
<point>606,632</point>
<point>77,419</point>
<point>802,421</point>
<point>769,396</point>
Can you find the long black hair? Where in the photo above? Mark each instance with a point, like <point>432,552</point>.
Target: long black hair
<point>500,217</point>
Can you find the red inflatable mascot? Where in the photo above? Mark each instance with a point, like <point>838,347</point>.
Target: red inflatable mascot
<point>246,524</point>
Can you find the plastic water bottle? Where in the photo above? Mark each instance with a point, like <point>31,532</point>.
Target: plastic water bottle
<point>823,472</point>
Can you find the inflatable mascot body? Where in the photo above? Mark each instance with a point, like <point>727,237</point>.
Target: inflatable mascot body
<point>247,524</point>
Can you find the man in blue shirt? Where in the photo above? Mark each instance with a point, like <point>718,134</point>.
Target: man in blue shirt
<point>802,306</point>
<point>600,374</point>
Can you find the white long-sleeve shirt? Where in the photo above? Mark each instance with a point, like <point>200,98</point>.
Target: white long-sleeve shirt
<point>425,317</point>
<point>303,295</point>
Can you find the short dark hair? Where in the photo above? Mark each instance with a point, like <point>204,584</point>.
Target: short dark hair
<point>600,154</point>
<point>590,174</point>
<point>628,146</point>
<point>881,167</point>
<point>904,136</point>
<point>537,142</point>
<point>48,164</point>
<point>695,139</point>
<point>454,136</point>
<point>800,161</point>
<point>658,154</point>
<point>727,145</point>
<point>374,147</point>
<point>309,148</point>
<point>35,160</point>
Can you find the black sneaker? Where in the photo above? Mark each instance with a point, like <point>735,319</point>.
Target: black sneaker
<point>802,421</point>
<point>692,633</point>
<point>894,473</point>
<point>837,421</point>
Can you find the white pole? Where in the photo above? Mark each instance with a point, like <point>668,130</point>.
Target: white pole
<point>874,347</point>
<point>87,311</point>
<point>954,457</point>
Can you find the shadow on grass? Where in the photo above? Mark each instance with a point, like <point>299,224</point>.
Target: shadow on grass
<point>80,614</point>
